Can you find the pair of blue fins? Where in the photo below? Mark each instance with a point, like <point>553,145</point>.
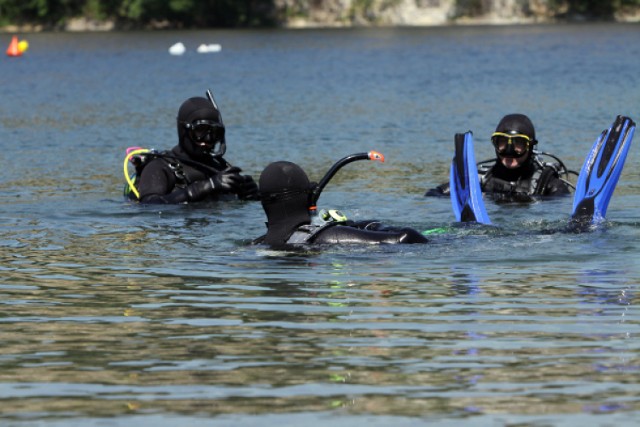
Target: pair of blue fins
<point>596,182</point>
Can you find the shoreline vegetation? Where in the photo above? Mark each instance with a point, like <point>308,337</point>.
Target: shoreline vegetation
<point>121,15</point>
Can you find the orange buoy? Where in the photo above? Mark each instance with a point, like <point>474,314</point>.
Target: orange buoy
<point>13,49</point>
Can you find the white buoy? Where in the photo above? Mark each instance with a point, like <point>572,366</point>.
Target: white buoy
<point>177,49</point>
<point>209,48</point>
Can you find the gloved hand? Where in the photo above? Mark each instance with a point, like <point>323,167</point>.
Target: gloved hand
<point>248,189</point>
<point>228,180</point>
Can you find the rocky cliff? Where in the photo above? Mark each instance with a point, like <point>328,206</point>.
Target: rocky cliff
<point>334,13</point>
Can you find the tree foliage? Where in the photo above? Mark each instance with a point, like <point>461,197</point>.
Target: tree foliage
<point>52,14</point>
<point>603,9</point>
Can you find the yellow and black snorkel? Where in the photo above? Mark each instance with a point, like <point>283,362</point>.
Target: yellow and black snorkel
<point>315,193</point>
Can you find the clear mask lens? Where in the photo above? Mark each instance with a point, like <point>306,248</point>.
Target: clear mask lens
<point>510,145</point>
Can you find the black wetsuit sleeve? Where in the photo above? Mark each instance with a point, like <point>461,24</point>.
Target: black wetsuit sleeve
<point>157,185</point>
<point>440,190</point>
<point>341,234</point>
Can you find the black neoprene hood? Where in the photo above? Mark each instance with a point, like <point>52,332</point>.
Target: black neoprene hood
<point>196,108</point>
<point>284,189</point>
<point>517,123</point>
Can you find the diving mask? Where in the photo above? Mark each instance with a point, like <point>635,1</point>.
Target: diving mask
<point>207,134</point>
<point>511,145</point>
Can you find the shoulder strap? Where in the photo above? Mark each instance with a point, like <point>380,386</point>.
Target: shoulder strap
<point>484,177</point>
<point>172,162</point>
<point>302,234</point>
<point>542,178</point>
<point>307,233</point>
<point>182,180</point>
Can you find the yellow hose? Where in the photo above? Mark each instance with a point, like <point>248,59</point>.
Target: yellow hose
<point>129,155</point>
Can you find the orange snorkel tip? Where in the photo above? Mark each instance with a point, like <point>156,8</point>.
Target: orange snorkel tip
<point>374,155</point>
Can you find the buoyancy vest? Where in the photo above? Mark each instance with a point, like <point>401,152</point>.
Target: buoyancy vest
<point>306,233</point>
<point>528,186</point>
<point>537,184</point>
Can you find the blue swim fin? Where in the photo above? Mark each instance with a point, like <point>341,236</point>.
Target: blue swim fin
<point>464,184</point>
<point>601,171</point>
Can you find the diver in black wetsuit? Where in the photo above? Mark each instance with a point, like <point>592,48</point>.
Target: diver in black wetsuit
<point>518,172</point>
<point>195,170</point>
<point>286,198</point>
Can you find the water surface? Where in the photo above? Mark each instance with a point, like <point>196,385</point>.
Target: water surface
<point>116,314</point>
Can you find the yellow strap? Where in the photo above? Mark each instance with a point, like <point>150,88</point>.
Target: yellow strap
<point>511,136</point>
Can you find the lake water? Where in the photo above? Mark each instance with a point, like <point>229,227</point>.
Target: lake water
<point>114,314</point>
